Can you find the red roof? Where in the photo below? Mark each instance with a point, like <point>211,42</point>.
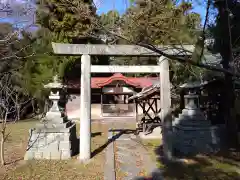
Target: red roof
<point>99,82</point>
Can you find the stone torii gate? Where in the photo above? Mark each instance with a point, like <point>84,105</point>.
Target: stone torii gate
<point>86,50</point>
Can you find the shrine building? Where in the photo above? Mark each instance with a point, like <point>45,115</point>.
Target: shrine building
<point>109,96</point>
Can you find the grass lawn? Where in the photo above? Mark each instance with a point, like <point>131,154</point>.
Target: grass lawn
<point>47,169</point>
<point>197,168</point>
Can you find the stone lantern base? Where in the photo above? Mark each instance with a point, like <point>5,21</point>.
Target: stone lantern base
<point>52,141</point>
<point>193,134</point>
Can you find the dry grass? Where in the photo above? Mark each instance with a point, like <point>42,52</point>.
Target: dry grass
<point>151,145</point>
<point>197,168</point>
<point>201,167</point>
<point>46,169</point>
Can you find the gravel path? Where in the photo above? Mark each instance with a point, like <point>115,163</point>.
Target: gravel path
<point>131,157</point>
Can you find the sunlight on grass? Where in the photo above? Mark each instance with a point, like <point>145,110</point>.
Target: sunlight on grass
<point>151,146</point>
<point>199,167</point>
<point>203,168</point>
<point>52,169</point>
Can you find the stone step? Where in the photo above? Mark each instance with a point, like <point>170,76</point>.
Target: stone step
<point>193,123</point>
<point>193,112</point>
<point>187,117</point>
<point>50,125</point>
<point>52,130</point>
<point>191,128</point>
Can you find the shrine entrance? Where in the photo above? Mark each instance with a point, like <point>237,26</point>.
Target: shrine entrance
<point>114,101</point>
<point>88,50</point>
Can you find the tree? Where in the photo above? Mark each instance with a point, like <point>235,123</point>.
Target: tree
<point>110,20</point>
<point>13,54</point>
<point>226,34</point>
<point>7,107</point>
<point>69,22</point>
<point>160,22</point>
<point>142,36</point>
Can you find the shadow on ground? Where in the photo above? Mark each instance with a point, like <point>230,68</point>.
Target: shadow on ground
<point>14,161</point>
<point>119,133</point>
<point>76,143</point>
<point>200,167</point>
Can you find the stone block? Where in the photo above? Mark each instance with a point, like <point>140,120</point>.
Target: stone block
<point>66,136</point>
<point>29,155</point>
<point>63,137</point>
<point>65,154</point>
<point>38,155</point>
<point>51,142</point>
<point>40,135</point>
<point>51,138</point>
<point>53,146</point>
<point>53,116</point>
<point>193,135</point>
<point>32,144</point>
<point>42,142</point>
<point>33,135</point>
<point>56,155</point>
<point>64,145</point>
<point>46,155</point>
<point>41,148</point>
<point>50,125</point>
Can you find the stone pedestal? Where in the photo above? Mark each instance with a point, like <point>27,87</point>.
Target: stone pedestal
<point>193,134</point>
<point>51,141</point>
<point>55,138</point>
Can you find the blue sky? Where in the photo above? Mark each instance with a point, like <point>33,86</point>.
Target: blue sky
<point>120,5</point>
<point>106,5</point>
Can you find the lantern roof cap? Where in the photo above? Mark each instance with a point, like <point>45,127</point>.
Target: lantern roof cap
<point>194,84</point>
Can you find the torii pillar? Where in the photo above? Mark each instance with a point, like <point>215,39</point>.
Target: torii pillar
<point>165,114</point>
<point>85,117</point>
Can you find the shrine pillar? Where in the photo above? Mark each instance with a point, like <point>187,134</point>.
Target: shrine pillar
<point>165,102</point>
<point>85,116</point>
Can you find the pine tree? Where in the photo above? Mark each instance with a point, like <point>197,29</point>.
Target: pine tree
<point>69,21</point>
<point>161,22</point>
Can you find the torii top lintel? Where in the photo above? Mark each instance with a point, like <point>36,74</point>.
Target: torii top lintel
<point>118,50</point>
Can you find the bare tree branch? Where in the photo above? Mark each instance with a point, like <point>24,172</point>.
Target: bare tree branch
<point>185,59</point>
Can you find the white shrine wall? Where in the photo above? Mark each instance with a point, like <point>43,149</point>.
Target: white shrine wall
<point>73,109</point>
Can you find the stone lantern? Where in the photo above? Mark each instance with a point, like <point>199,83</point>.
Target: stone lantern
<point>54,113</point>
<point>191,100</point>
<point>191,104</point>
<point>56,137</point>
<point>192,132</point>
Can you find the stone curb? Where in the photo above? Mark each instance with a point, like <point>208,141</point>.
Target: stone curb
<point>109,171</point>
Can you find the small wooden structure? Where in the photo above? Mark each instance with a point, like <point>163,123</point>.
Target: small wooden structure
<point>114,101</point>
<point>149,101</point>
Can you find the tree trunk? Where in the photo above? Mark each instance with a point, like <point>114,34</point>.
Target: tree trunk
<point>2,149</point>
<point>3,138</point>
<point>33,106</point>
<point>17,108</point>
<point>18,112</point>
<point>227,58</point>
